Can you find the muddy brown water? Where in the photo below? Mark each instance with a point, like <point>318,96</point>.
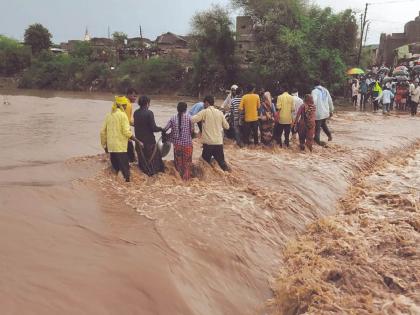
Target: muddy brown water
<point>77,240</point>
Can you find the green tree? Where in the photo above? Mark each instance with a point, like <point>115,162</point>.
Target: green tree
<point>155,75</point>
<point>38,38</point>
<point>214,59</point>
<point>298,42</point>
<point>14,57</point>
<point>82,50</point>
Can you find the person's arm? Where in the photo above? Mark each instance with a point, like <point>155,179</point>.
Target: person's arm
<point>103,136</point>
<point>199,117</point>
<point>241,105</point>
<point>152,123</point>
<point>298,115</point>
<point>279,101</point>
<point>330,104</point>
<point>168,125</point>
<point>225,124</point>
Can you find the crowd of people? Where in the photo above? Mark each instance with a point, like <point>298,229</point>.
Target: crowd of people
<point>400,92</point>
<point>244,115</point>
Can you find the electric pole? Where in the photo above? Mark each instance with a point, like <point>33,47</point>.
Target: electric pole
<point>362,33</point>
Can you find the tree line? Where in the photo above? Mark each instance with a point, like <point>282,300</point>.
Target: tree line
<point>295,42</point>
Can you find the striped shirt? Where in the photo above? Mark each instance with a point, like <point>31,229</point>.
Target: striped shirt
<point>184,137</point>
<point>234,110</point>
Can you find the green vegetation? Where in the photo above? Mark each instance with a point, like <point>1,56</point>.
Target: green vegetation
<point>214,62</point>
<point>14,57</point>
<point>38,38</point>
<point>298,43</point>
<point>155,75</point>
<point>295,43</point>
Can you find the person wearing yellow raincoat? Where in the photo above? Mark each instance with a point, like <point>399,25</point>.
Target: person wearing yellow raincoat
<point>115,134</point>
<point>376,91</point>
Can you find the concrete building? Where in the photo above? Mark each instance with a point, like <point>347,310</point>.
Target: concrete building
<point>388,43</point>
<point>245,38</point>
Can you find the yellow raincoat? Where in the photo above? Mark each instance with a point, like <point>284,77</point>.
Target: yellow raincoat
<point>129,111</point>
<point>116,129</point>
<point>377,88</point>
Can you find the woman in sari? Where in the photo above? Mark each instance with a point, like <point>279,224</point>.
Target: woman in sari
<point>181,128</point>
<point>267,111</point>
<point>149,157</point>
<point>305,123</point>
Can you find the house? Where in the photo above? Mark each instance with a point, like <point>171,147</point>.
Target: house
<point>170,41</point>
<point>388,43</point>
<point>139,42</point>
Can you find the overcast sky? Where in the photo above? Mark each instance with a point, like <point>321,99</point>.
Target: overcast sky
<point>68,19</point>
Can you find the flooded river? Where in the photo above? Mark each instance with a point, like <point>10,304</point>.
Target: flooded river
<point>77,240</point>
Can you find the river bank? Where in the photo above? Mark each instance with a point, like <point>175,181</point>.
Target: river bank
<point>83,241</point>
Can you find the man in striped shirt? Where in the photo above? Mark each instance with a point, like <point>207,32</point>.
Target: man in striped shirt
<point>236,115</point>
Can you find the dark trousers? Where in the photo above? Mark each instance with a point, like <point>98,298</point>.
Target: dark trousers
<point>130,152</point>
<point>248,128</point>
<point>119,161</point>
<point>363,100</point>
<point>321,124</point>
<point>279,133</point>
<point>217,152</point>
<point>354,100</point>
<point>414,107</point>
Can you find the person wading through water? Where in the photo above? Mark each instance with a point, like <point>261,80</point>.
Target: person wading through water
<point>213,124</point>
<point>115,134</point>
<point>149,157</point>
<point>324,110</point>
<point>182,130</point>
<point>250,104</point>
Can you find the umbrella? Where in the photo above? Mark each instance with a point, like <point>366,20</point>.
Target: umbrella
<point>402,78</point>
<point>401,68</point>
<point>416,69</point>
<point>388,79</point>
<point>384,69</point>
<point>400,73</point>
<point>354,71</point>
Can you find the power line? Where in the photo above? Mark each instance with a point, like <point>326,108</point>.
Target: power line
<point>390,2</point>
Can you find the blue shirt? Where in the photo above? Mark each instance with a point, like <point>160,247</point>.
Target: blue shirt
<point>196,109</point>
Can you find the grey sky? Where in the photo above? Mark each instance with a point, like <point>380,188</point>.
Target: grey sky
<point>68,19</point>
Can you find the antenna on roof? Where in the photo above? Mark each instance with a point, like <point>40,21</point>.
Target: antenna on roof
<point>109,32</point>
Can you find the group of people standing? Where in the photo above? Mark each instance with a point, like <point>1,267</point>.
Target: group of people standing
<point>117,138</point>
<point>276,119</point>
<point>402,96</point>
<point>259,116</point>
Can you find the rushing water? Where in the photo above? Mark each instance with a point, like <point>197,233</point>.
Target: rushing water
<point>77,240</point>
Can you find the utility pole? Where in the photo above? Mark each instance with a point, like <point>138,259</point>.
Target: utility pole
<point>109,32</point>
<point>367,31</point>
<point>141,33</point>
<point>362,33</point>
